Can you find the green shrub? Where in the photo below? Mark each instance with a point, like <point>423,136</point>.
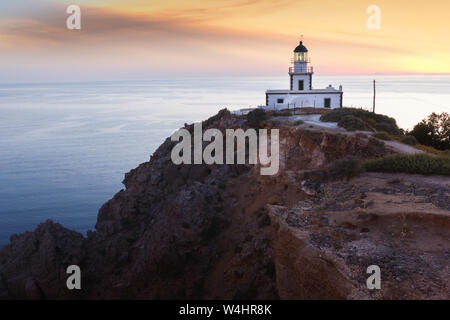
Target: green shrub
<point>379,121</point>
<point>409,140</point>
<point>369,121</point>
<point>388,127</point>
<point>382,135</point>
<point>222,113</point>
<point>445,153</point>
<point>361,135</point>
<point>255,117</point>
<point>345,168</point>
<point>428,149</point>
<point>335,115</point>
<point>298,122</point>
<point>434,131</point>
<point>351,123</point>
<point>376,143</point>
<point>410,163</point>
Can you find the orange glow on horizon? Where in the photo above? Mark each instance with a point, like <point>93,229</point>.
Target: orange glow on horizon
<point>253,37</point>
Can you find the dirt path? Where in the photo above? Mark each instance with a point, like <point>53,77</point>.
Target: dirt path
<point>402,148</point>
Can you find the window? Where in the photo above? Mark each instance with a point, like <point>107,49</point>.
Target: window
<point>280,100</point>
<point>301,85</point>
<point>300,56</point>
<point>327,103</point>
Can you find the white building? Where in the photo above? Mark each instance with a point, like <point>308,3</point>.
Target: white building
<point>301,93</point>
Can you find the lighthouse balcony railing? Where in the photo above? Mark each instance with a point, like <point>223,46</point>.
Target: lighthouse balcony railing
<point>300,70</point>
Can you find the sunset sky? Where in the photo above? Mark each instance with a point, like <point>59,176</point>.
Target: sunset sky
<point>138,39</point>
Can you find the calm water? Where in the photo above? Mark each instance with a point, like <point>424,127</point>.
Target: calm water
<point>64,148</point>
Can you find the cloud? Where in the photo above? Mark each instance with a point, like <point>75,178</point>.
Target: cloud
<point>247,36</point>
<point>107,25</point>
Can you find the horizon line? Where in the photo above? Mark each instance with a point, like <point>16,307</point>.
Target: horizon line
<point>168,77</point>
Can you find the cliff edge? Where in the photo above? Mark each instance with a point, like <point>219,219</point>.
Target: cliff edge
<point>227,232</point>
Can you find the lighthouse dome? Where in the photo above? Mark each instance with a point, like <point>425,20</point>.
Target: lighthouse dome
<point>300,48</point>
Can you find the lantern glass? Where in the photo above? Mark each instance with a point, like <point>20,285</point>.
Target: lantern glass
<point>300,56</point>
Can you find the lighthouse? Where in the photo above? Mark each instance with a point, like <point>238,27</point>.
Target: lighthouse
<point>301,92</point>
<point>300,73</point>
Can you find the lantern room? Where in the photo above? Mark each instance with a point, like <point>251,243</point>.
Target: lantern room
<point>301,53</point>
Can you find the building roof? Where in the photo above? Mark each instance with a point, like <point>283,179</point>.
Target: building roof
<point>300,48</point>
<point>313,91</point>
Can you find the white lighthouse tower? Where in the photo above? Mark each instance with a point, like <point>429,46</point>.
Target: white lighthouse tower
<point>301,92</point>
<point>300,74</point>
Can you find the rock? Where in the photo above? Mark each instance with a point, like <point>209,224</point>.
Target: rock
<point>204,232</point>
<point>329,260</point>
<point>33,265</point>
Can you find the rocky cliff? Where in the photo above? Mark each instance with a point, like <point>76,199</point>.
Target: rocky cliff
<point>227,232</point>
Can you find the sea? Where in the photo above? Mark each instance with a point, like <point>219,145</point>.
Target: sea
<point>65,147</point>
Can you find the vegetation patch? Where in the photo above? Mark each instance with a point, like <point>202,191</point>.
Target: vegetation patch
<point>389,128</point>
<point>255,117</point>
<point>434,131</point>
<point>410,140</point>
<point>345,168</point>
<point>410,163</point>
<point>428,149</point>
<point>222,113</point>
<point>377,143</point>
<point>371,121</point>
<point>352,123</point>
<point>383,135</point>
<point>445,153</point>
